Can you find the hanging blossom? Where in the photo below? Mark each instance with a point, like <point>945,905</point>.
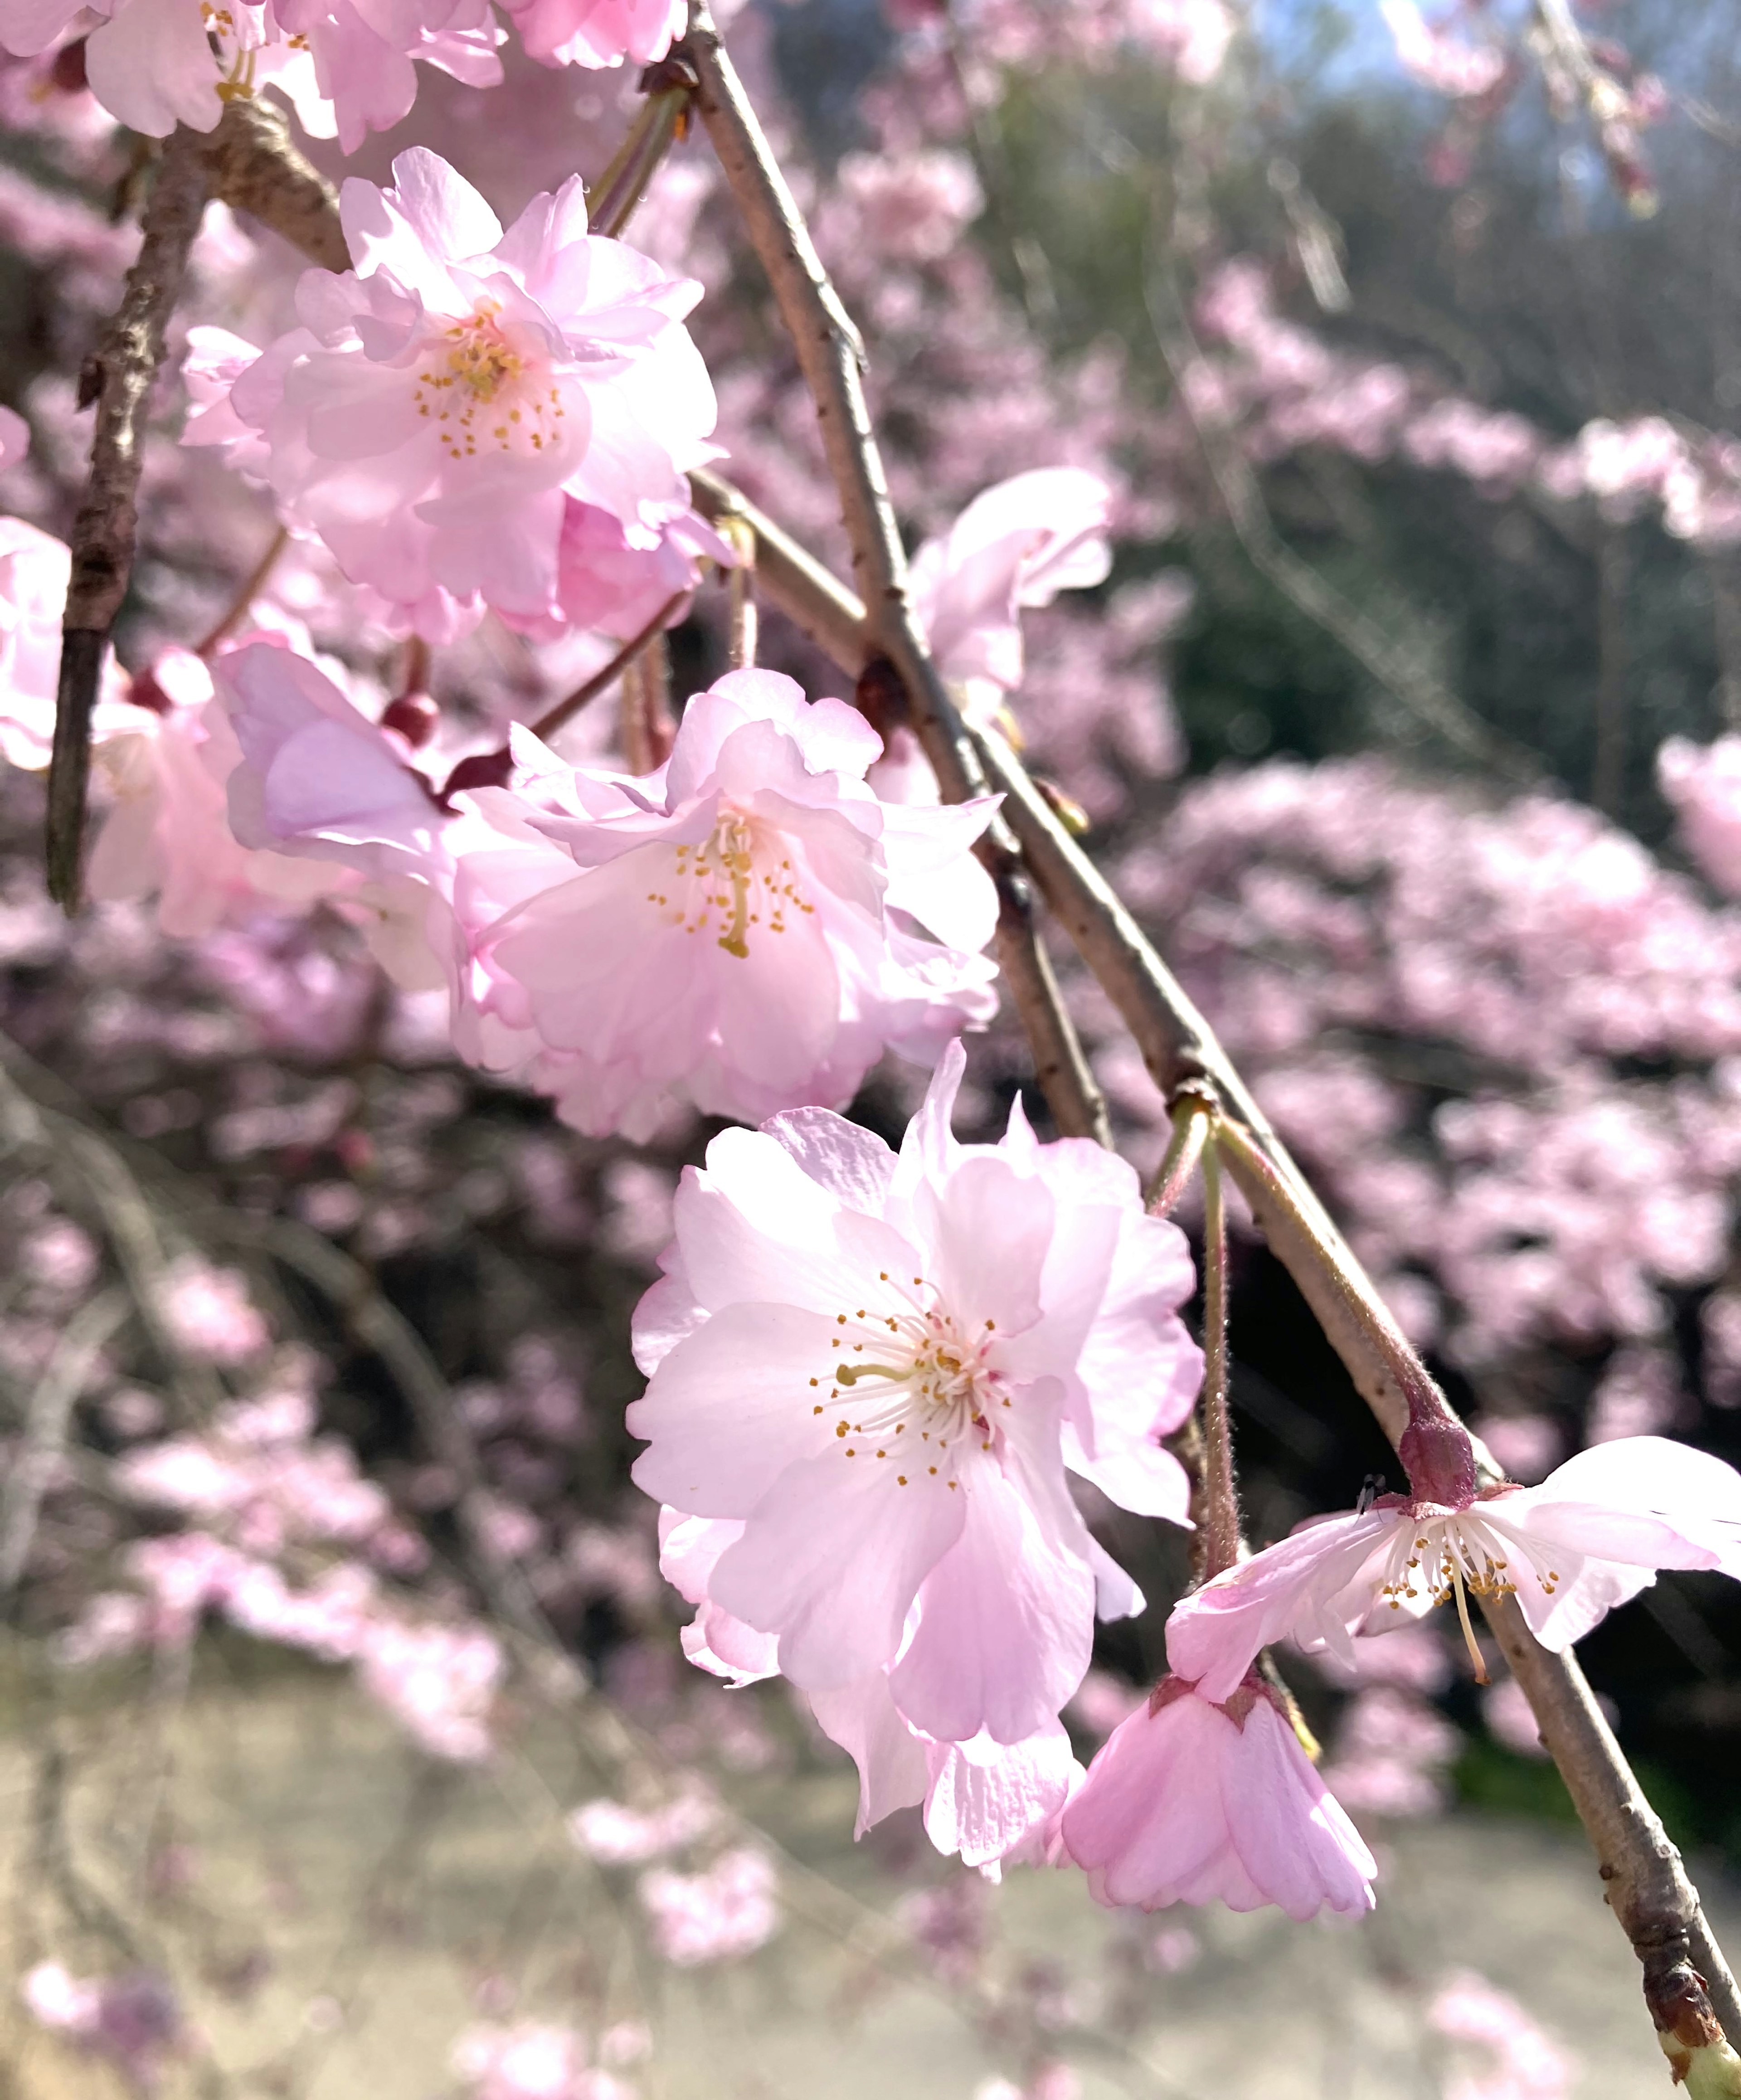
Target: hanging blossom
<point>349,66</point>
<point>742,931</point>
<point>1194,1801</point>
<point>597,32</point>
<point>442,403</point>
<point>1015,545</point>
<point>989,1802</point>
<point>1591,1536</point>
<point>745,930</point>
<point>872,1373</point>
<point>166,764</point>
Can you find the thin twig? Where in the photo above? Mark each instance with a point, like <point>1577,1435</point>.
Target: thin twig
<point>118,378</point>
<point>830,355</point>
<point>1220,1500</point>
<point>664,118</point>
<point>1193,1113</point>
<point>603,679</point>
<point>47,1415</point>
<point>379,1325</point>
<point>1433,705</point>
<point>742,638</point>
<point>252,584</point>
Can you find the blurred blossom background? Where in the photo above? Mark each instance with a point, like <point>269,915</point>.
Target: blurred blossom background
<point>346,1740</point>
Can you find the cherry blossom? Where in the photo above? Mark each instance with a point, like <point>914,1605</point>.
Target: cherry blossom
<point>165,832</point>
<point>726,1912</point>
<point>441,402</point>
<point>532,2062</point>
<point>740,930</point>
<point>880,1365</point>
<point>1439,60</point>
<point>347,65</point>
<point>1703,784</point>
<point>1192,1801</point>
<point>14,438</point>
<point>597,32</point>
<point>1591,1536</point>
<point>1016,545</point>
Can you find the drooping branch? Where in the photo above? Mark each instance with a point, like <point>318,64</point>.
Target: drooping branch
<point>118,378</point>
<point>830,355</point>
<point>1647,1885</point>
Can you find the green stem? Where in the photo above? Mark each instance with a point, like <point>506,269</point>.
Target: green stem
<point>664,118</point>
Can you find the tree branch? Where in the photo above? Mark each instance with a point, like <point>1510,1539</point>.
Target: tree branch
<point>253,167</point>
<point>118,377</point>
<point>1648,1887</point>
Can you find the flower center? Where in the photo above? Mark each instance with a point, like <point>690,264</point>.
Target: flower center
<point>478,385</point>
<point>1445,1558</point>
<point>738,879</point>
<point>918,1390</point>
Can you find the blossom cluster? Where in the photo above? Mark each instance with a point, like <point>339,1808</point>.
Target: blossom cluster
<point>347,67</point>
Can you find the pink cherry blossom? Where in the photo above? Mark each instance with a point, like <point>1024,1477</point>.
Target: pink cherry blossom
<point>442,401</point>
<point>1016,545</point>
<point>1194,1801</point>
<point>986,1802</point>
<point>14,437</point>
<point>880,1366</point>
<point>617,1835</point>
<point>1438,60</point>
<point>1703,783</point>
<point>532,2061</point>
<point>597,32</point>
<point>740,930</point>
<point>320,784</point>
<point>720,1915</point>
<point>347,65</point>
<point>1591,1536</point>
<point>165,832</point>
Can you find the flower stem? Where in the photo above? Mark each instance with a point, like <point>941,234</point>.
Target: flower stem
<point>664,118</point>
<point>252,584</point>
<point>740,584</point>
<point>1221,1497</point>
<point>1435,1447</point>
<point>602,679</point>
<point>1193,1115</point>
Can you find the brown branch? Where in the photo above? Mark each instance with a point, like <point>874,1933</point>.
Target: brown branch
<point>253,167</point>
<point>1647,1887</point>
<point>830,355</point>
<point>602,679</point>
<point>118,378</point>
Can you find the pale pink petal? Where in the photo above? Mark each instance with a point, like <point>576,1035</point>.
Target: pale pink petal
<point>1006,1624</point>
<point>832,1558</point>
<point>1215,1633</point>
<point>1292,1834</point>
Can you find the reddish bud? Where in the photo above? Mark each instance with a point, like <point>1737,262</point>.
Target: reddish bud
<point>484,768</point>
<point>1439,1459</point>
<point>145,692</point>
<point>413,715</point>
<point>67,70</point>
